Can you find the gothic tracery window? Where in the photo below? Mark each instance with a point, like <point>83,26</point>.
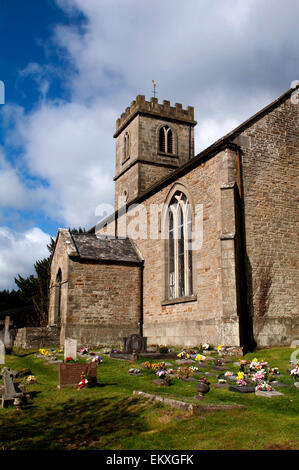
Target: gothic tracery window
<point>166,140</point>
<point>179,247</point>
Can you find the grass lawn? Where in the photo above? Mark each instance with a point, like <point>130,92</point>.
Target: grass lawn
<point>109,417</point>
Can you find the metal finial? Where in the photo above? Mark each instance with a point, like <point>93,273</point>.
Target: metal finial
<point>154,90</point>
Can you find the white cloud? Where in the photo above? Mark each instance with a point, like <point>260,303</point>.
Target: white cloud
<point>216,59</point>
<point>19,252</point>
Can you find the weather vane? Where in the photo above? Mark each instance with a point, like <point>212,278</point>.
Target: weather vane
<point>154,85</point>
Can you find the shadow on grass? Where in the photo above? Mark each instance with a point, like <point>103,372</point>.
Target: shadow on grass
<point>74,424</point>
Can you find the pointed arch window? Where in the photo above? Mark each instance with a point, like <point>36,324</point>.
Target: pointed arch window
<point>179,263</point>
<point>166,140</point>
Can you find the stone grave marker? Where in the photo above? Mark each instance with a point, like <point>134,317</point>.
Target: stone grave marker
<point>272,393</point>
<point>70,348</point>
<point>7,335</point>
<point>10,393</point>
<point>242,388</point>
<point>70,374</point>
<point>134,344</point>
<point>2,352</point>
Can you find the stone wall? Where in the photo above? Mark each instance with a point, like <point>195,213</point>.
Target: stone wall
<point>37,337</point>
<point>211,313</point>
<point>103,302</point>
<point>64,247</point>
<point>269,158</point>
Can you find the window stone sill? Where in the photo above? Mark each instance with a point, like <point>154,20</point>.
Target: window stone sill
<point>191,298</point>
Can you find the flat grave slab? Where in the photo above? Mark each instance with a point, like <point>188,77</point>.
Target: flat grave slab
<point>242,388</point>
<point>273,393</point>
<point>220,385</point>
<point>279,384</point>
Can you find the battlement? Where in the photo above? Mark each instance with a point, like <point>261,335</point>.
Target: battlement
<point>152,107</point>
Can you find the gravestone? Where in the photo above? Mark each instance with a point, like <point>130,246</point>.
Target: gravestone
<point>2,352</point>
<point>8,340</point>
<point>10,393</point>
<point>134,344</point>
<point>70,374</point>
<point>70,348</point>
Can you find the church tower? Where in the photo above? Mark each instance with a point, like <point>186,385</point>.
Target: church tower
<point>152,140</point>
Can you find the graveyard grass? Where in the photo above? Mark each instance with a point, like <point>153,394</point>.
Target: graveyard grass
<point>109,417</point>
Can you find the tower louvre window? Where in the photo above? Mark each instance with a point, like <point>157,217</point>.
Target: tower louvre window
<point>166,140</point>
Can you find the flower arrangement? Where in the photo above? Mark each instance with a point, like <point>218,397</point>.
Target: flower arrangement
<point>228,373</point>
<point>183,355</point>
<point>240,379</point>
<point>274,371</point>
<point>83,382</point>
<point>30,379</point>
<point>200,358</point>
<point>147,364</point>
<point>221,381</point>
<point>69,359</point>
<point>158,366</point>
<point>83,350</point>
<point>258,376</point>
<point>44,352</point>
<point>97,359</point>
<point>161,373</point>
<point>294,373</point>
<point>264,386</point>
<point>255,365</point>
<point>193,369</point>
<point>183,372</point>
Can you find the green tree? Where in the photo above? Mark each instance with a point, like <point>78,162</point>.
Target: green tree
<point>35,288</point>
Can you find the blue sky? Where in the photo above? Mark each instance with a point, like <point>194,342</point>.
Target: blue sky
<point>71,67</point>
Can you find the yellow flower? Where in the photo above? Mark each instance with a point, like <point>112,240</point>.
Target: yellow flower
<point>199,357</point>
<point>240,376</point>
<point>219,347</point>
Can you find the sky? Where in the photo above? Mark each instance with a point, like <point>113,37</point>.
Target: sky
<point>71,67</point>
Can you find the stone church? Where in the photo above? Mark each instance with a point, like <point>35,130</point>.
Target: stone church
<point>200,248</point>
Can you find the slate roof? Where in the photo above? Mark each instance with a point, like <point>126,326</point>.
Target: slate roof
<point>90,247</point>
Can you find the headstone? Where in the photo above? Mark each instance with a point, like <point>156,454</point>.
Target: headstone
<point>10,393</point>
<point>7,335</point>
<point>70,348</point>
<point>2,352</point>
<point>70,374</point>
<point>272,393</point>
<point>134,344</point>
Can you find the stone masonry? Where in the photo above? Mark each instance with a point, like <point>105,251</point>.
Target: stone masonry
<point>243,194</point>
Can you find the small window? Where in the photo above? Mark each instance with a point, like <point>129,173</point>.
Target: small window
<point>126,154</point>
<point>58,297</point>
<point>166,140</point>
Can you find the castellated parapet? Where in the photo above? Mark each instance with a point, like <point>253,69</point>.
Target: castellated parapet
<point>153,108</point>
